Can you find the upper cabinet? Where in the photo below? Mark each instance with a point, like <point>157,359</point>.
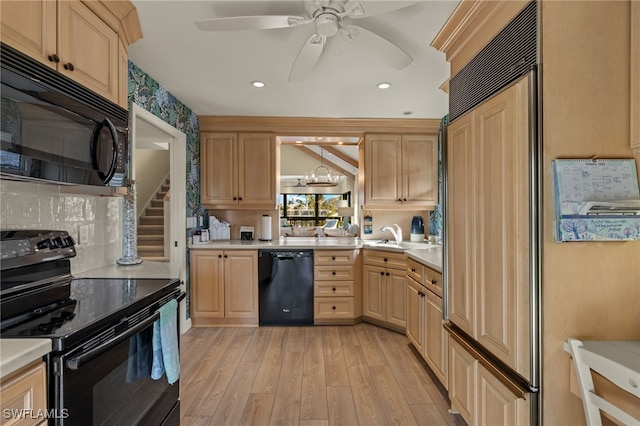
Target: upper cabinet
<point>400,171</point>
<point>84,41</point>
<point>238,170</point>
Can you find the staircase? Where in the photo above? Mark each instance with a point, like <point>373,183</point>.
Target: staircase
<point>151,228</point>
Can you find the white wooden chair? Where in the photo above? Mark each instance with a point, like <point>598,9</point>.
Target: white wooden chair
<point>619,362</point>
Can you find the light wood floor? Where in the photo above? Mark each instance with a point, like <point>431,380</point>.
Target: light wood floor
<point>323,375</point>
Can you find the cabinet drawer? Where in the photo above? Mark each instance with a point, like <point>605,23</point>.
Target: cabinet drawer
<point>385,259</point>
<point>333,288</point>
<point>25,390</point>
<point>333,307</point>
<point>334,273</point>
<point>334,257</point>
<point>415,270</point>
<point>433,281</point>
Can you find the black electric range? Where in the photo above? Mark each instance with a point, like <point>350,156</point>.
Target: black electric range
<point>100,328</point>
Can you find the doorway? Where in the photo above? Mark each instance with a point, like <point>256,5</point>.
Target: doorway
<point>143,126</point>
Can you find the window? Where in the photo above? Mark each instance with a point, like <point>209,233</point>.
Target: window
<point>309,209</point>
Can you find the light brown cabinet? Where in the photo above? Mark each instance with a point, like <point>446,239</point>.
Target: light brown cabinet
<point>337,287</point>
<point>424,317</point>
<point>224,287</point>
<point>238,170</point>
<point>71,38</point>
<point>385,289</point>
<point>25,391</point>
<point>489,248</point>
<point>479,397</point>
<point>400,171</point>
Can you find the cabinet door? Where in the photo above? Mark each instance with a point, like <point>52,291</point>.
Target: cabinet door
<point>382,170</point>
<point>502,226</point>
<point>218,179</point>
<point>420,169</point>
<point>462,381</point>
<point>396,283</point>
<point>207,284</point>
<point>414,314</point>
<point>90,46</point>
<point>374,293</point>
<point>30,27</point>
<point>497,406</point>
<point>241,284</point>
<point>25,391</point>
<point>257,170</point>
<point>436,337</point>
<point>461,216</point>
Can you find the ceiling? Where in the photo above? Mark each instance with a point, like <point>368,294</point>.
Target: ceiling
<point>210,72</point>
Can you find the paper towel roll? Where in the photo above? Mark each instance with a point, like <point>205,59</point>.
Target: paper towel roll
<point>266,228</point>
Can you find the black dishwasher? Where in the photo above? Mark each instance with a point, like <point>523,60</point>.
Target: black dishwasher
<point>285,287</point>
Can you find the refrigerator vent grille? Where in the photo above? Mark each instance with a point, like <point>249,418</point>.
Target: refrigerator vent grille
<point>512,53</point>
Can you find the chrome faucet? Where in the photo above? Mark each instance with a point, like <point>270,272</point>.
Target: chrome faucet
<point>397,233</point>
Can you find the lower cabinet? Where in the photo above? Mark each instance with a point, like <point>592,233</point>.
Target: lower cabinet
<point>424,318</point>
<point>24,391</point>
<point>224,287</point>
<point>337,287</point>
<point>385,289</point>
<point>479,397</point>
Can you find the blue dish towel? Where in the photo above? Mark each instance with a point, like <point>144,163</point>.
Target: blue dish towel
<point>166,355</point>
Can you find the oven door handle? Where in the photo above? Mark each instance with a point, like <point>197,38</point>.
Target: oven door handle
<point>77,362</point>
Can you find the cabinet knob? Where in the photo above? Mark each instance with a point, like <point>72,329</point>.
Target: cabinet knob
<point>333,258</point>
<point>235,198</point>
<point>53,58</point>
<point>219,256</point>
<point>387,274</point>
<point>334,289</point>
<point>239,198</point>
<point>381,273</point>
<point>333,273</point>
<point>433,282</point>
<point>413,269</point>
<point>225,256</point>
<point>333,307</point>
<point>399,200</point>
<point>385,259</point>
<point>68,66</point>
<point>404,199</point>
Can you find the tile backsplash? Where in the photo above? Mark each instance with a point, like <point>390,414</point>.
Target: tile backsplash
<point>94,222</point>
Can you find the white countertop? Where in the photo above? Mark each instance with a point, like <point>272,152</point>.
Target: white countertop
<point>16,353</point>
<point>145,269</point>
<point>428,254</point>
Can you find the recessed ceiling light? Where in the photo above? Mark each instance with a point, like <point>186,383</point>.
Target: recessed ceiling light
<point>407,113</point>
<point>384,85</point>
<point>257,83</point>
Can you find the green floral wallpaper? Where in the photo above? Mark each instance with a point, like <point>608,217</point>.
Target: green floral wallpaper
<point>144,91</point>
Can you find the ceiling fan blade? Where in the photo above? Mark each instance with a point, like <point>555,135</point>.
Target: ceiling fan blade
<point>240,23</point>
<point>376,46</point>
<point>307,58</point>
<point>364,9</point>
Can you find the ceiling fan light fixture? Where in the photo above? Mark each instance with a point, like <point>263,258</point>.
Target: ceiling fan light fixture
<point>384,85</point>
<point>257,83</point>
<point>327,24</point>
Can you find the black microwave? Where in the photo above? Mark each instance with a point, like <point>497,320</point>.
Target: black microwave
<point>55,130</point>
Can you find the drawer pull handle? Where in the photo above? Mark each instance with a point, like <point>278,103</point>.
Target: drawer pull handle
<point>413,269</point>
<point>433,282</point>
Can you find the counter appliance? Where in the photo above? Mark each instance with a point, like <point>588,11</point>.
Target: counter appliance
<point>101,332</point>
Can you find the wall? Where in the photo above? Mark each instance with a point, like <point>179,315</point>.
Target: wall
<point>150,95</point>
<point>46,206</point>
<point>152,168</point>
<point>591,290</point>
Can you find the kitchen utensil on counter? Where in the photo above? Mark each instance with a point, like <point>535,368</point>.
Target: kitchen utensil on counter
<point>266,228</point>
<point>417,229</point>
<point>247,233</point>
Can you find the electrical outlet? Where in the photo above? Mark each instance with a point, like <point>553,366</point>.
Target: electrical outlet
<point>83,234</point>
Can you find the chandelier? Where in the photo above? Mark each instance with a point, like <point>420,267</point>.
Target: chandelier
<point>321,175</point>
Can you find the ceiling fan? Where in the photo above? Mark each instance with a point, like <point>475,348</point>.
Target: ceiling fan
<point>330,17</point>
